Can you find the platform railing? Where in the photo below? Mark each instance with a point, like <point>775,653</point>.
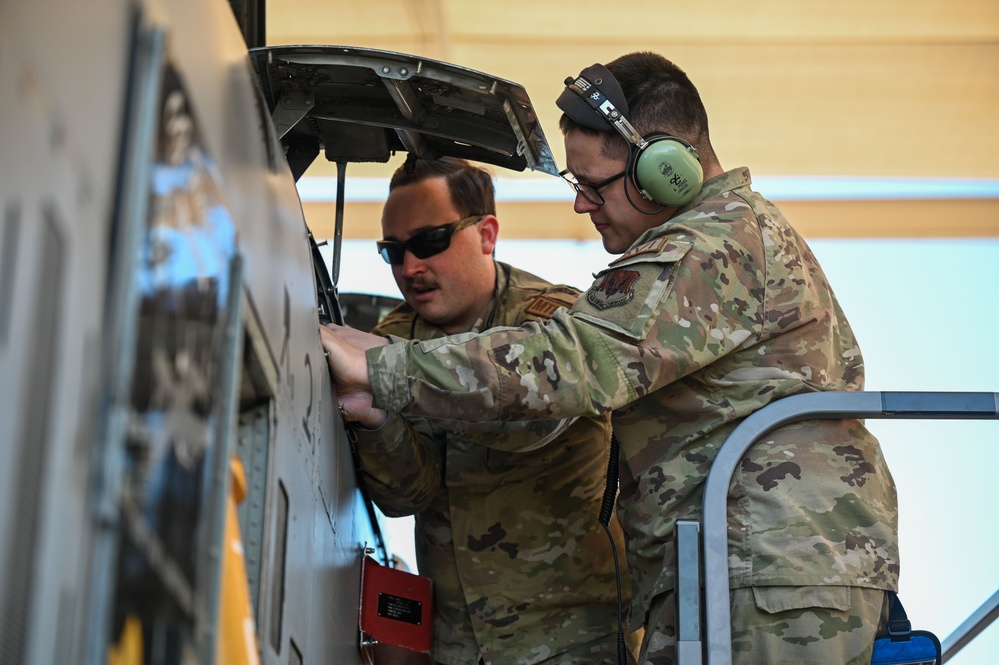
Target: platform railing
<point>713,527</point>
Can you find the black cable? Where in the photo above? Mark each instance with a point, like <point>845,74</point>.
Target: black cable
<point>606,511</point>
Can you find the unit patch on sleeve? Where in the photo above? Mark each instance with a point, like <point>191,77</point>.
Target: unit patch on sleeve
<point>615,289</point>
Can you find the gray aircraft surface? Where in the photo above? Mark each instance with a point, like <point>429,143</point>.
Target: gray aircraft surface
<point>160,298</point>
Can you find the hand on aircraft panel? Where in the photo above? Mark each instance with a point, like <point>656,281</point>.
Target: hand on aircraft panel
<point>350,373</point>
<point>358,338</point>
<point>345,349</point>
<point>356,407</point>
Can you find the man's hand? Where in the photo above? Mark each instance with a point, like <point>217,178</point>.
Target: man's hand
<point>355,337</point>
<point>356,407</point>
<point>350,372</point>
<point>346,359</point>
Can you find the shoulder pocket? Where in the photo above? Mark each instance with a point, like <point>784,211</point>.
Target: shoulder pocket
<point>627,295</point>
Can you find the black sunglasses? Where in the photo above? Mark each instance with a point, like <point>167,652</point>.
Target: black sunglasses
<point>424,244</point>
<point>590,192</point>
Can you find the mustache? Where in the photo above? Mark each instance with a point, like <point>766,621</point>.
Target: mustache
<point>421,283</point>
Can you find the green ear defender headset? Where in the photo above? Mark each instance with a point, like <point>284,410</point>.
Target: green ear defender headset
<point>664,168</point>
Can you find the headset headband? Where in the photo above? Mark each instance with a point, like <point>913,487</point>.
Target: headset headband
<point>576,104</point>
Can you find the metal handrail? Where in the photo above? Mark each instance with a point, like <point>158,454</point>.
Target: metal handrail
<point>979,620</point>
<point>810,406</point>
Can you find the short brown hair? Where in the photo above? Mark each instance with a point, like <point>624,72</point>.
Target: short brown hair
<point>471,187</point>
<point>661,99</point>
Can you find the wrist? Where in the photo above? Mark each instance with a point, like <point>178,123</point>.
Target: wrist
<point>375,419</point>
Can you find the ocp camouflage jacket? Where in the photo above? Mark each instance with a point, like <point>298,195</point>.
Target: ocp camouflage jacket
<point>509,535</point>
<point>704,320</point>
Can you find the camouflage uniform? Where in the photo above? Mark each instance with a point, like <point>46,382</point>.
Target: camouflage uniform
<point>704,320</point>
<point>522,570</point>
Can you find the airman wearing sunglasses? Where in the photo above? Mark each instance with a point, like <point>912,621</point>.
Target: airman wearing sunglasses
<point>505,526</point>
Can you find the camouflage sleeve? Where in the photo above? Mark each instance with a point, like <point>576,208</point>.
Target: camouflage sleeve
<point>644,323</point>
<point>561,370</point>
<point>512,436</point>
<point>401,463</point>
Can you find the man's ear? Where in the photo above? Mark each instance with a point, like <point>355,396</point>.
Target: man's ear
<point>488,232</point>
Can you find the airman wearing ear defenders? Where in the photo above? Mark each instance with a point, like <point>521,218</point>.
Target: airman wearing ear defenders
<point>522,570</point>
<point>715,308</point>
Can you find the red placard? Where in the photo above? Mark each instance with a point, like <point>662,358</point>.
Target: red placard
<point>396,615</point>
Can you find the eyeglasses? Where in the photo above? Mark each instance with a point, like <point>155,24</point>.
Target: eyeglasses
<point>590,192</point>
<point>424,244</point>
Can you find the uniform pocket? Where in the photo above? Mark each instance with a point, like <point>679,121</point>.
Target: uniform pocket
<point>774,599</point>
<point>532,462</point>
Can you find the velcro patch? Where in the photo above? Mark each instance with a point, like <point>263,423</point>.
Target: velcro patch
<point>615,289</point>
<point>654,246</point>
<point>543,306</point>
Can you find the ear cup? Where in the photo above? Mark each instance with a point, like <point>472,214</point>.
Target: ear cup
<point>668,172</point>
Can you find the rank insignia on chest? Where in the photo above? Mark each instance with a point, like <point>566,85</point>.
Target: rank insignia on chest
<point>543,306</point>
<point>615,289</point>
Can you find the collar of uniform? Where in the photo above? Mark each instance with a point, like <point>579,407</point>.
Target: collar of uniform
<point>725,182</point>
<point>653,246</point>
<point>485,322</point>
<point>655,239</point>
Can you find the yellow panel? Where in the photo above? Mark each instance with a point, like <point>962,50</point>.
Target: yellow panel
<point>790,109</point>
<point>408,26</point>
<point>589,21</point>
<point>886,88</point>
<point>286,19</point>
<point>965,218</point>
<point>584,23</point>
